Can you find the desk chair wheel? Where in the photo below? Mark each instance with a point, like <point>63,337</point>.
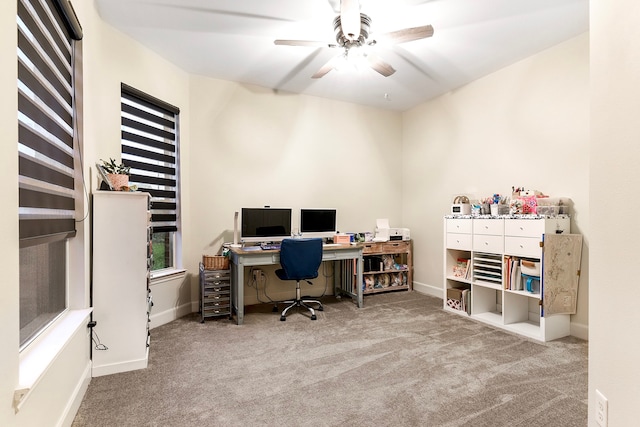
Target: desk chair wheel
<point>284,318</point>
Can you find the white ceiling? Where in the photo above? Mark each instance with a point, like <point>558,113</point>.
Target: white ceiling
<point>233,40</point>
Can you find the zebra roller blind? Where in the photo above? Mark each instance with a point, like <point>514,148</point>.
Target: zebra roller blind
<point>149,147</point>
<point>46,122</point>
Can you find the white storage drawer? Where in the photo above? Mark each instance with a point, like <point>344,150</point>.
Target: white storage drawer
<point>523,246</point>
<point>491,244</point>
<point>459,241</point>
<point>488,226</point>
<point>524,227</point>
<point>458,225</point>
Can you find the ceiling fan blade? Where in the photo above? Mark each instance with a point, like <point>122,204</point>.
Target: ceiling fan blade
<point>406,35</point>
<point>350,18</point>
<point>304,43</point>
<point>380,66</point>
<point>330,65</point>
<point>224,12</point>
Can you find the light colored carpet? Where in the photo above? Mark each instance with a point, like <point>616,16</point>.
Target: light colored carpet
<point>400,360</point>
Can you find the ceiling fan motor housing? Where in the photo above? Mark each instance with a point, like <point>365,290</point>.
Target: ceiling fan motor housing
<point>345,40</point>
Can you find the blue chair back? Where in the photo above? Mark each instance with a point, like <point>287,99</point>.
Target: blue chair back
<point>300,258</point>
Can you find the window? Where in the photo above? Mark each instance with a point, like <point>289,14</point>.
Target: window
<point>150,148</point>
<point>47,143</point>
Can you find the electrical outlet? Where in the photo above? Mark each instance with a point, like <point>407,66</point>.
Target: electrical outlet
<point>602,409</point>
<point>257,273</point>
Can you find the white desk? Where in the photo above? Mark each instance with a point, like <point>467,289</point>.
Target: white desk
<point>241,259</point>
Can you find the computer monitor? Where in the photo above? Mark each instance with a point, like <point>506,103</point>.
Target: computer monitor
<point>265,224</point>
<point>318,222</point>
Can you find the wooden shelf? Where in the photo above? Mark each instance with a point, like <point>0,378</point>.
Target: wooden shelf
<point>387,289</point>
<point>404,270</point>
<point>375,252</point>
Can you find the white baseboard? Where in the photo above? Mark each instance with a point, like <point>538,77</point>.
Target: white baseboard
<point>158,319</point>
<point>423,288</point>
<point>76,399</point>
<point>580,330</point>
<point>124,366</point>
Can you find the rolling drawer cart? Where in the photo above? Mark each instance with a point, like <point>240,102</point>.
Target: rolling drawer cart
<point>215,293</point>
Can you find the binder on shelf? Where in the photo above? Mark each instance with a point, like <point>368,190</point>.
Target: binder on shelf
<point>464,299</point>
<point>516,282</point>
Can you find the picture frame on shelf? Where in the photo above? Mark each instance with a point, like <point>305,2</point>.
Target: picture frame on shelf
<point>103,176</point>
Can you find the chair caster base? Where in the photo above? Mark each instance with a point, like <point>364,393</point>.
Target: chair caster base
<point>313,317</point>
<point>283,318</point>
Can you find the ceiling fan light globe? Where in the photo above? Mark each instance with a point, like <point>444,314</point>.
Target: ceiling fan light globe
<point>344,37</point>
<point>350,18</point>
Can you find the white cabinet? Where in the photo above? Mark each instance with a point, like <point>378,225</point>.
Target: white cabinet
<point>492,290</point>
<point>121,297</point>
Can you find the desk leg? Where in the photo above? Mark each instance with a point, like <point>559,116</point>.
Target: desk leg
<point>237,271</point>
<point>359,268</point>
<point>337,278</point>
<point>343,279</point>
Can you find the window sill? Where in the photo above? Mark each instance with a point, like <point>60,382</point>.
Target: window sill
<point>167,275</point>
<point>38,357</point>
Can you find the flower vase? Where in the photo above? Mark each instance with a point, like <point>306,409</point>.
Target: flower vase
<point>118,181</point>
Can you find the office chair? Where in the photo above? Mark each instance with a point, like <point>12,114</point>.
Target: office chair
<point>300,260</point>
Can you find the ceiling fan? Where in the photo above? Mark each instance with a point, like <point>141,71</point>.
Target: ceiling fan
<point>351,28</point>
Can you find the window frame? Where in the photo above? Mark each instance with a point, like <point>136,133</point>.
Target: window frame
<point>50,173</point>
<point>161,218</point>
<point>41,351</point>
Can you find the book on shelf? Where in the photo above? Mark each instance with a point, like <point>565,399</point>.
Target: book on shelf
<point>507,271</point>
<point>461,268</point>
<point>515,283</point>
<point>465,301</point>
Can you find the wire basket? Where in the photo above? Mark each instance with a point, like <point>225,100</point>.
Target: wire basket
<point>215,262</point>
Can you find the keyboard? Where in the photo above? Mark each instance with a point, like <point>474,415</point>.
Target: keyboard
<point>270,246</point>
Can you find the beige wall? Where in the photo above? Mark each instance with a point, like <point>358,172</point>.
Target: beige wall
<point>525,125</point>
<point>9,324</point>
<point>111,58</point>
<point>614,348</point>
<point>253,147</point>
<point>534,114</point>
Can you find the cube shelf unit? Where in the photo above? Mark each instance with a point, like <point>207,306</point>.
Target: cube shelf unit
<point>489,242</point>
